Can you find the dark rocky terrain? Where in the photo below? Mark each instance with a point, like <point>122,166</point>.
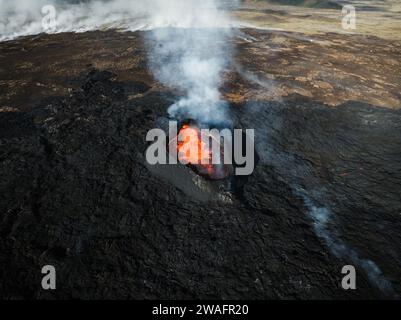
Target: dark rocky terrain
<point>76,191</point>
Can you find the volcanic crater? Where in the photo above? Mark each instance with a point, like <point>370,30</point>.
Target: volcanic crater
<point>77,192</point>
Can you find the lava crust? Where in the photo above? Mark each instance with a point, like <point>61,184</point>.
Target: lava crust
<point>76,191</point>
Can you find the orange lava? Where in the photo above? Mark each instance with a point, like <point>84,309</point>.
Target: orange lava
<point>192,150</point>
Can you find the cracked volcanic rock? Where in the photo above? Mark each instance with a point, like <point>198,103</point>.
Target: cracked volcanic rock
<point>76,192</point>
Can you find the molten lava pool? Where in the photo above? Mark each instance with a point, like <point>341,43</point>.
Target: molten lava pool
<point>195,150</point>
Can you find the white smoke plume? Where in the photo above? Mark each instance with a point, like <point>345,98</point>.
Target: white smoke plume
<point>188,40</point>
<point>24,17</point>
<point>190,54</point>
<point>322,217</point>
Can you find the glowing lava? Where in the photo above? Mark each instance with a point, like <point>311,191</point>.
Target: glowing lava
<point>192,149</point>
<point>197,153</point>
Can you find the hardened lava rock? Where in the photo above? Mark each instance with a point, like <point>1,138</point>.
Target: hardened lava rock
<point>76,191</point>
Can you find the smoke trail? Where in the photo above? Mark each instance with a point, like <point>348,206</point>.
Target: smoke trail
<point>322,217</point>
<point>24,17</point>
<point>191,55</point>
<point>304,181</point>
<point>189,40</point>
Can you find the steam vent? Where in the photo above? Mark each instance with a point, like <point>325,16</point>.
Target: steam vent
<point>200,150</point>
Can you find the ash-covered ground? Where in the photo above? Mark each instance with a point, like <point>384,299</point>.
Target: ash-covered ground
<point>76,191</point>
